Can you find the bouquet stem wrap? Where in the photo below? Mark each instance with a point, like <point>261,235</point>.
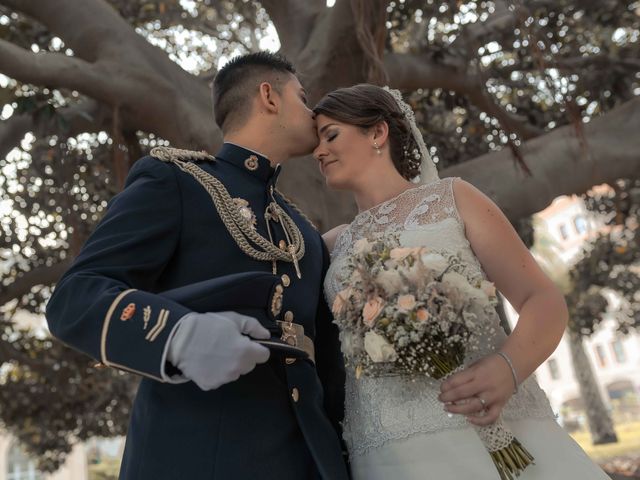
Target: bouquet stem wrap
<point>509,456</point>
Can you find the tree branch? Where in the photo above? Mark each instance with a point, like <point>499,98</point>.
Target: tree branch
<point>12,131</point>
<point>410,72</point>
<point>45,275</point>
<point>573,64</point>
<point>509,121</point>
<point>54,70</point>
<point>91,28</point>
<point>149,96</point>
<point>601,61</point>
<point>94,30</point>
<point>613,143</point>
<point>501,21</point>
<point>294,22</point>
<point>86,116</point>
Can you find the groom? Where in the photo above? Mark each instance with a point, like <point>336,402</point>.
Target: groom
<point>192,235</point>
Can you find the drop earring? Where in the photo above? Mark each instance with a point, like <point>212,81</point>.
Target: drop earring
<point>378,151</point>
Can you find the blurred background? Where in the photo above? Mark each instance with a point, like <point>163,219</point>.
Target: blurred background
<point>534,102</point>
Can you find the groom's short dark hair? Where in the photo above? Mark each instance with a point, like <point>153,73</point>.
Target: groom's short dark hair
<point>237,82</point>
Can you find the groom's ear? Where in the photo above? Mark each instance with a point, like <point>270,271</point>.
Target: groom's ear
<point>380,132</point>
<point>268,97</point>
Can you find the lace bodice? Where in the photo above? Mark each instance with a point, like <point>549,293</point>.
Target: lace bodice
<point>384,408</point>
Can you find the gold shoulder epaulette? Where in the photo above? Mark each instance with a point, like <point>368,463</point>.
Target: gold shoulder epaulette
<point>170,154</point>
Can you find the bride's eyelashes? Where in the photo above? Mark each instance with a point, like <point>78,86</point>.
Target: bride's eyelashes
<point>331,137</point>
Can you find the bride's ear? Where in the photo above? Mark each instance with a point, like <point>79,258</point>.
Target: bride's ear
<point>380,133</point>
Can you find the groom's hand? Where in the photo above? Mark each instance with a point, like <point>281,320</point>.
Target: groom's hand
<point>214,348</point>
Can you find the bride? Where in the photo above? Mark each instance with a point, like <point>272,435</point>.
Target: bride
<point>405,428</point>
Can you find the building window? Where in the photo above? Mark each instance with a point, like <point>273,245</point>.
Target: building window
<point>581,225</point>
<point>602,359</point>
<point>564,232</point>
<point>20,466</point>
<point>554,371</point>
<point>618,351</point>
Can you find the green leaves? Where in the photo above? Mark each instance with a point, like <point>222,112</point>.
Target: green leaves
<point>52,396</point>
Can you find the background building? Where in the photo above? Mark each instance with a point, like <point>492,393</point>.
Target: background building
<point>565,227</point>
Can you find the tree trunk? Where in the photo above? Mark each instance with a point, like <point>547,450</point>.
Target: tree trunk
<point>598,417</point>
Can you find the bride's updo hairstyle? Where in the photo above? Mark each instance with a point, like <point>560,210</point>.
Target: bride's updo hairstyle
<point>365,105</point>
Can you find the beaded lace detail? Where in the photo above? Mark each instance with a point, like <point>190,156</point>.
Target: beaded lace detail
<point>381,409</point>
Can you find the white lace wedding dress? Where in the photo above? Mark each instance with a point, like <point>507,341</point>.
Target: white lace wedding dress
<point>396,428</point>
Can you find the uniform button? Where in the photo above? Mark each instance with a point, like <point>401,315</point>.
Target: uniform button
<point>288,316</point>
<point>282,244</point>
<point>295,395</point>
<point>251,163</point>
<point>286,281</point>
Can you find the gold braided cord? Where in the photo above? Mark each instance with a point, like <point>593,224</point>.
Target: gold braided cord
<point>169,154</point>
<point>238,227</point>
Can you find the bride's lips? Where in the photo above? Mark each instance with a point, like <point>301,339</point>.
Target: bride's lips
<point>326,164</point>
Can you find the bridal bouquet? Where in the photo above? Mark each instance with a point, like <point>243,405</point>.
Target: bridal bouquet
<point>414,312</point>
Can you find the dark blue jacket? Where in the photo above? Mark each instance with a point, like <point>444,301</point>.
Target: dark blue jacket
<point>280,421</point>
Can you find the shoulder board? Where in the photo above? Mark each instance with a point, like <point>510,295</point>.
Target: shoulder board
<point>170,154</point>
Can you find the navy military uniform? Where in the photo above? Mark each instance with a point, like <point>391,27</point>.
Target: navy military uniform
<point>162,233</point>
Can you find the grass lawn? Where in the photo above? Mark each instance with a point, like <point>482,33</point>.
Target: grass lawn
<point>628,442</point>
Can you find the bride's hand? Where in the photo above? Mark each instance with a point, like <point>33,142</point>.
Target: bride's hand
<point>480,391</point>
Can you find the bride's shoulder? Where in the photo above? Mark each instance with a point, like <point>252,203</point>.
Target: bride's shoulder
<point>463,190</point>
<point>472,203</point>
<point>332,235</point>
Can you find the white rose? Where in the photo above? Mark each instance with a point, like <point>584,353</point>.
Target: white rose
<point>415,274</point>
<point>462,284</point>
<point>378,349</point>
<point>434,262</point>
<point>488,288</point>
<point>362,246</point>
<point>456,280</point>
<point>348,343</point>
<point>390,280</point>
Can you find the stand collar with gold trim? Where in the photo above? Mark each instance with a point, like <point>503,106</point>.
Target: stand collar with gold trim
<point>248,161</point>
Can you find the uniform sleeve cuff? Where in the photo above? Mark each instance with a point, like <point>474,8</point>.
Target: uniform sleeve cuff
<point>136,330</point>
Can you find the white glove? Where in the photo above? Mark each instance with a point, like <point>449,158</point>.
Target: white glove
<point>212,348</point>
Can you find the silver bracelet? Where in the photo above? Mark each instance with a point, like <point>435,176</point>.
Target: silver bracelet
<point>513,370</point>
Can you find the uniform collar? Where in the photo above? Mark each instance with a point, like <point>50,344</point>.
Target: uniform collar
<point>249,161</point>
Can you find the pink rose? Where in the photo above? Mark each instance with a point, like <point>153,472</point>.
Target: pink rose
<point>406,302</point>
<point>340,301</point>
<point>400,253</point>
<point>422,315</point>
<point>371,310</point>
